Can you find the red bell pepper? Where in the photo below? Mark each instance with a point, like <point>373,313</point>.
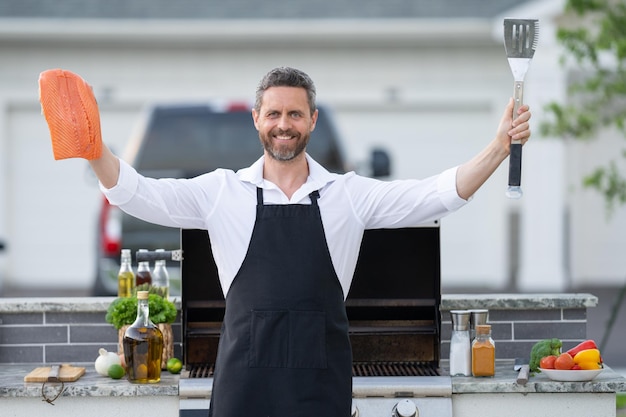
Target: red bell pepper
<point>587,344</point>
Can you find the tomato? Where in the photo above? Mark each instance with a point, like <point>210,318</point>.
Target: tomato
<point>576,368</point>
<point>547,362</point>
<point>564,362</point>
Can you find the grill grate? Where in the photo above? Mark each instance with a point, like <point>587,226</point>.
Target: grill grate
<point>201,371</point>
<point>358,369</point>
<point>394,369</point>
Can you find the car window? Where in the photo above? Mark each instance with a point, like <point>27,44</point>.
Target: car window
<point>198,140</point>
<point>194,140</point>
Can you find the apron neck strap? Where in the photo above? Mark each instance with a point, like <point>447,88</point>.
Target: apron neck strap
<point>314,196</point>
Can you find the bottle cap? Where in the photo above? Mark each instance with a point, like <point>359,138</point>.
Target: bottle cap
<point>460,319</point>
<point>483,329</point>
<point>142,295</point>
<point>478,317</point>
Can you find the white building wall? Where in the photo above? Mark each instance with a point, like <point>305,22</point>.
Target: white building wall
<point>432,100</point>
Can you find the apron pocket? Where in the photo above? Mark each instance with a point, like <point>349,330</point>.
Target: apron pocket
<point>269,342</point>
<point>287,339</point>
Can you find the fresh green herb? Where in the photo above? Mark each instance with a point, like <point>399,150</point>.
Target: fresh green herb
<point>123,311</point>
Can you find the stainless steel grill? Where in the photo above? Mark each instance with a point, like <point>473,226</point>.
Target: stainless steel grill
<point>392,307</point>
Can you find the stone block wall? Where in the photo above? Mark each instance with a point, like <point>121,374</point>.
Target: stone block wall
<point>516,331</point>
<point>71,330</point>
<point>68,336</point>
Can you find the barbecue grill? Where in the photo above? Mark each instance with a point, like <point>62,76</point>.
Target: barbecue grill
<point>393,310</point>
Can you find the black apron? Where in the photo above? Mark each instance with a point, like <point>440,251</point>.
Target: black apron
<point>284,349</point>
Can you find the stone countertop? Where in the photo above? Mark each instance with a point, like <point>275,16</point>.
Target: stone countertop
<point>448,302</point>
<point>91,384</point>
<point>60,304</point>
<point>517,301</point>
<point>505,382</point>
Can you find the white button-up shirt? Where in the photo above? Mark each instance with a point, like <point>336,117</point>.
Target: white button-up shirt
<point>224,203</point>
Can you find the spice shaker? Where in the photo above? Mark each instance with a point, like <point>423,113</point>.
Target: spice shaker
<point>460,348</point>
<point>483,352</point>
<point>477,318</point>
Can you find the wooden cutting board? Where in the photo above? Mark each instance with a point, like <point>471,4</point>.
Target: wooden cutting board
<point>67,373</point>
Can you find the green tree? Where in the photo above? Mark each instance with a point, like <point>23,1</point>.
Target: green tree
<point>594,37</point>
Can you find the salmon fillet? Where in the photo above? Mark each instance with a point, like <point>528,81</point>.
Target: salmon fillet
<point>71,111</point>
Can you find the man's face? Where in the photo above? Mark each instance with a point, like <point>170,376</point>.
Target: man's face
<point>284,122</point>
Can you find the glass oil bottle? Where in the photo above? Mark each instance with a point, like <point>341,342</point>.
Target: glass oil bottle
<point>143,274</point>
<point>126,276</point>
<point>160,277</point>
<point>143,345</point>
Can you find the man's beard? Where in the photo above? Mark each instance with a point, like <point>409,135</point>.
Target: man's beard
<point>284,152</point>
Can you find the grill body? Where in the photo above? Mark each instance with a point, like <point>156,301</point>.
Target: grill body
<point>392,306</point>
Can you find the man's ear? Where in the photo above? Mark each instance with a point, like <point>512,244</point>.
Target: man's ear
<point>314,119</point>
<point>255,118</point>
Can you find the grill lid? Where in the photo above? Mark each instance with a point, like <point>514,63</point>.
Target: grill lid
<point>392,306</point>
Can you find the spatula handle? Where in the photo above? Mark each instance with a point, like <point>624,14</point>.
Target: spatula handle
<point>515,158</point>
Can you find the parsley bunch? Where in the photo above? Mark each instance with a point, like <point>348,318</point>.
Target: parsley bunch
<point>123,311</point>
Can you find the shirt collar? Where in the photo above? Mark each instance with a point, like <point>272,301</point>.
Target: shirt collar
<point>318,175</point>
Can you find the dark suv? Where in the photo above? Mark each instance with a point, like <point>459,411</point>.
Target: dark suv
<point>183,141</point>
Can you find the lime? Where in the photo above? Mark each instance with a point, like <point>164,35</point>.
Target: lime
<point>116,371</point>
<point>174,365</point>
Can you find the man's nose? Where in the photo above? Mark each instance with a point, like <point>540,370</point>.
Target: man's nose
<point>284,123</point>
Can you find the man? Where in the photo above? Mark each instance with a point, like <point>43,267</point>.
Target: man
<point>285,235</point>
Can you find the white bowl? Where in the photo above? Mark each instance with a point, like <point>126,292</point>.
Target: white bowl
<point>572,375</point>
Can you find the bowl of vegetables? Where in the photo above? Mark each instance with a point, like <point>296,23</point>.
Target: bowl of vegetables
<point>583,362</point>
<point>573,375</point>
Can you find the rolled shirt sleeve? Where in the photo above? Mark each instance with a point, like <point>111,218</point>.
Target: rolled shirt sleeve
<point>125,188</point>
<point>446,187</point>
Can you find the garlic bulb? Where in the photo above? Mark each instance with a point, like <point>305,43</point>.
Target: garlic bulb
<point>105,360</point>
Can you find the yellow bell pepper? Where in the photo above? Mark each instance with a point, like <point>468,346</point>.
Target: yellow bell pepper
<point>588,359</point>
<point>589,365</point>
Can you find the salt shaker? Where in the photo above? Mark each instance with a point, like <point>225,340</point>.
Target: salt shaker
<point>460,347</point>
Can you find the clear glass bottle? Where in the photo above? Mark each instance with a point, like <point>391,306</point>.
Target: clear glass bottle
<point>483,352</point>
<point>126,276</point>
<point>143,345</point>
<point>460,352</point>
<point>160,277</point>
<point>143,273</point>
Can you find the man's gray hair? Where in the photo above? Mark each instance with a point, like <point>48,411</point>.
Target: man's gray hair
<point>286,77</point>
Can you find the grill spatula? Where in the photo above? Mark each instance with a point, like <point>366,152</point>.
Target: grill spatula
<point>520,42</point>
